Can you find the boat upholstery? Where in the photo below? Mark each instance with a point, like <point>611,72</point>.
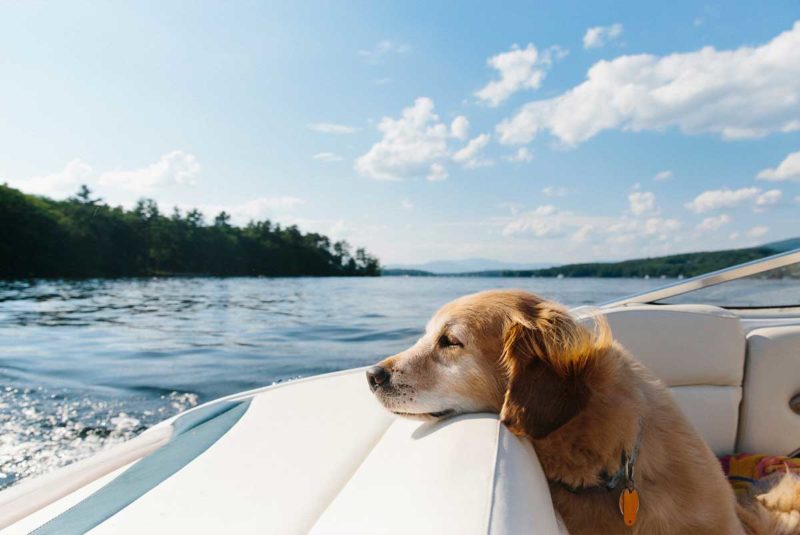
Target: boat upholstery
<point>772,379</point>
<point>699,352</point>
<point>467,475</point>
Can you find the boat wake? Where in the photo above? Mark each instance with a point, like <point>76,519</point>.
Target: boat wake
<point>42,430</point>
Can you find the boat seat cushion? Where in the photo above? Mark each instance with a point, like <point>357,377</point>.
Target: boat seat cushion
<point>467,475</point>
<point>683,344</point>
<point>772,378</point>
<point>698,351</point>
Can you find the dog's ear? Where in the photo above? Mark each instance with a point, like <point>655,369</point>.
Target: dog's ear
<point>547,357</point>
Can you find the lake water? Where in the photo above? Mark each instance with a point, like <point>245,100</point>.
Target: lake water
<point>87,364</point>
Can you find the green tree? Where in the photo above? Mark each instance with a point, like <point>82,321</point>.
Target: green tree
<point>84,237</point>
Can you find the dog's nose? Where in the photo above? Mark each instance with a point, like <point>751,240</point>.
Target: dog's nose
<point>376,376</point>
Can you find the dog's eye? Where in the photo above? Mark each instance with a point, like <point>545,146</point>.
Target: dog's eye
<point>449,341</point>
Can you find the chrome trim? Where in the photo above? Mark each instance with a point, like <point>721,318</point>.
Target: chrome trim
<point>739,271</point>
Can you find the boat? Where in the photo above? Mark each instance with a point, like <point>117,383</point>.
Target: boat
<point>321,456</point>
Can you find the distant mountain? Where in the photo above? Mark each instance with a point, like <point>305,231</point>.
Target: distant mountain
<point>467,265</point>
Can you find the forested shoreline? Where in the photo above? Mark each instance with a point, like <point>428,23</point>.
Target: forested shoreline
<point>673,266</point>
<point>84,237</point>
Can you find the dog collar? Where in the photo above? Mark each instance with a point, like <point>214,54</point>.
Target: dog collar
<point>609,482</point>
<point>629,496</point>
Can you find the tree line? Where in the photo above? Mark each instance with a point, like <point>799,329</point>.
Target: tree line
<point>679,265</point>
<point>85,237</point>
<point>673,266</point>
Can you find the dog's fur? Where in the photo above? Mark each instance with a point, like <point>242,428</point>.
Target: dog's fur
<point>582,400</point>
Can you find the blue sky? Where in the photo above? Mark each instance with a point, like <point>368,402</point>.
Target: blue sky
<point>531,132</point>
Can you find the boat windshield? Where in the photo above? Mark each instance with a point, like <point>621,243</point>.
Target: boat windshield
<point>768,283</point>
<point>776,288</point>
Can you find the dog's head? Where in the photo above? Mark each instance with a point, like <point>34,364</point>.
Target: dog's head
<point>498,351</point>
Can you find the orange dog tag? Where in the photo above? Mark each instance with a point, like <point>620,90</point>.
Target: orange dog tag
<point>629,505</point>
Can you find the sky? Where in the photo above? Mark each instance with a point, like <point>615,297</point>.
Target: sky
<point>524,131</point>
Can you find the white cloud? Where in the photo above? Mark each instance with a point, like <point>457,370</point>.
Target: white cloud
<point>788,169</point>
<point>327,157</point>
<point>174,167</point>
<point>340,230</point>
<point>547,221</point>
<point>256,209</point>
<point>116,186</point>
<point>519,68</point>
<point>459,128</point>
<point>262,205</point>
<point>415,144</point>
<point>582,234</point>
<point>552,191</point>
<point>625,230</point>
<point>539,223</point>
<point>59,184</point>
<point>621,239</point>
<point>333,128</point>
<point>722,198</point>
<point>663,175</point>
<point>742,93</point>
<point>660,226</point>
<point>470,156</point>
<point>768,198</point>
<point>733,236</point>
<point>757,231</point>
<point>382,49</point>
<point>642,202</point>
<point>599,35</point>
<point>512,207</point>
<point>437,172</point>
<point>408,205</point>
<point>710,224</point>
<point>546,209</point>
<point>523,154</point>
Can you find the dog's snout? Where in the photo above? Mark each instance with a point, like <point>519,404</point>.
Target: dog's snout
<point>376,376</point>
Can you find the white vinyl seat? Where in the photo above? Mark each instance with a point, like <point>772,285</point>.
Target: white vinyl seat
<point>699,352</point>
<point>772,378</point>
<point>467,475</point>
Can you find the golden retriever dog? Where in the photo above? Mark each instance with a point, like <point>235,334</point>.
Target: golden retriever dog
<point>601,424</point>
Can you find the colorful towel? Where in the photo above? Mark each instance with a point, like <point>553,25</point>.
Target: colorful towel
<point>745,469</point>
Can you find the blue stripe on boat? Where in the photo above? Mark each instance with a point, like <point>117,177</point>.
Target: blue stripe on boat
<point>193,434</point>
